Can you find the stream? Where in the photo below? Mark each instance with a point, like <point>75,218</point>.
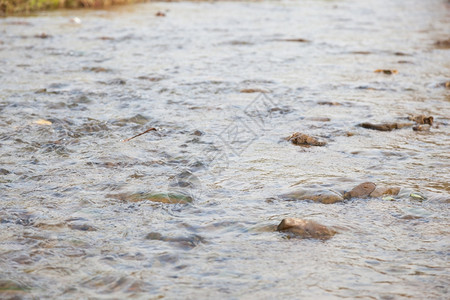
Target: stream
<point>223,83</point>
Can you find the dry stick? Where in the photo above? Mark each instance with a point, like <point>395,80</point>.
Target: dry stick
<point>148,130</point>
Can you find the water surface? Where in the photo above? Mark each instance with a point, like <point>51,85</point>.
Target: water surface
<point>65,232</point>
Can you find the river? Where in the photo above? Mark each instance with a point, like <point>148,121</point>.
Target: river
<point>223,83</point>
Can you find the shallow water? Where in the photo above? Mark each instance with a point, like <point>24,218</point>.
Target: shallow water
<point>65,232</point>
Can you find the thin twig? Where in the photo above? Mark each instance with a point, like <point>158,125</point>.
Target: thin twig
<point>148,130</point>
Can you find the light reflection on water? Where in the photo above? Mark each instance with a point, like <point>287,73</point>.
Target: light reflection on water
<point>124,70</point>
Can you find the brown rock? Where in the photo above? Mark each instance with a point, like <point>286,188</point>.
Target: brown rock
<point>444,44</point>
<point>361,191</point>
<point>385,126</point>
<point>424,127</point>
<point>256,90</point>
<point>325,197</point>
<point>306,228</point>
<point>319,119</point>
<point>169,198</point>
<point>43,36</point>
<point>422,119</point>
<point>300,40</point>
<point>384,191</point>
<point>330,103</point>
<point>387,72</point>
<point>302,139</point>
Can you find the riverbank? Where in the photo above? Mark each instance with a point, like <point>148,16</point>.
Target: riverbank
<point>23,7</point>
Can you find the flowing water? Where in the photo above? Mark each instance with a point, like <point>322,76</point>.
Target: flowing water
<point>223,83</point>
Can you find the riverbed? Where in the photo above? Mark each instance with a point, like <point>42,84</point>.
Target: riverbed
<point>223,84</point>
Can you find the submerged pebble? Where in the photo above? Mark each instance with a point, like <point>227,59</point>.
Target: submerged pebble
<point>82,227</point>
<point>325,197</point>
<point>417,196</point>
<point>422,128</point>
<point>361,191</point>
<point>306,228</point>
<point>302,139</point>
<point>443,44</point>
<point>10,289</point>
<point>385,191</point>
<point>185,242</point>
<point>254,90</point>
<point>422,119</point>
<point>386,71</point>
<point>297,40</point>
<point>385,126</point>
<point>169,198</point>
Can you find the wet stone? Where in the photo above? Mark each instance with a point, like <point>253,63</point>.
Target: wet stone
<point>83,99</point>
<point>155,236</point>
<point>386,71</point>
<point>82,227</point>
<point>116,81</point>
<point>10,289</point>
<point>197,133</point>
<point>385,126</point>
<point>4,171</point>
<point>410,217</point>
<point>91,126</point>
<point>136,119</point>
<point>385,191</point>
<point>240,43</point>
<point>297,40</point>
<point>184,242</point>
<point>361,52</point>
<point>443,44</point>
<point>302,139</point>
<point>255,90</point>
<point>97,69</point>
<point>47,226</point>
<point>329,103</point>
<point>318,119</point>
<point>361,191</point>
<point>42,36</point>
<point>422,128</point>
<point>185,179</point>
<point>106,38</point>
<point>168,198</point>
<point>45,91</point>
<point>306,229</point>
<point>281,110</point>
<point>108,284</point>
<point>417,196</point>
<point>20,217</point>
<point>422,119</point>
<point>23,259</point>
<point>325,197</point>
<point>152,78</point>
